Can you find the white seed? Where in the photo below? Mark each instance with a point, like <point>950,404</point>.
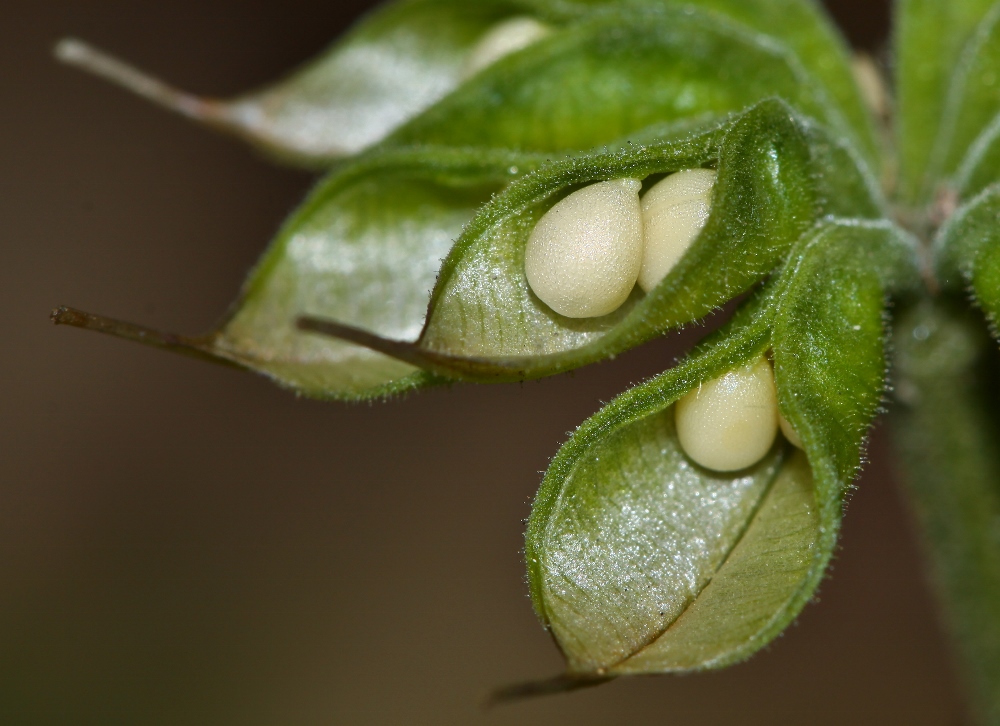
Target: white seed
<point>583,257</point>
<point>673,213</point>
<point>789,432</point>
<point>502,39</point>
<point>730,422</point>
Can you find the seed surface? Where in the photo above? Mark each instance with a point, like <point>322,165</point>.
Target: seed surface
<point>583,257</point>
<point>730,422</point>
<point>502,39</point>
<point>789,432</point>
<point>673,213</point>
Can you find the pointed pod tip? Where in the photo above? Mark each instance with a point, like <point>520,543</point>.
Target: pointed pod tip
<point>71,50</point>
<point>65,315</point>
<point>85,57</point>
<point>201,347</point>
<point>563,683</point>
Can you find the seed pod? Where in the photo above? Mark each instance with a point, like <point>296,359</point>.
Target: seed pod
<point>673,213</point>
<point>730,422</point>
<point>502,39</point>
<point>583,257</point>
<point>789,432</point>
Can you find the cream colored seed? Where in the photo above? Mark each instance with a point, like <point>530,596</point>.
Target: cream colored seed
<point>583,256</point>
<point>502,39</point>
<point>673,213</point>
<point>730,422</point>
<point>789,432</point>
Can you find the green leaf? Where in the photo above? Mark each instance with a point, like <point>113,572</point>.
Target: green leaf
<point>805,28</point>
<point>979,166</point>
<point>828,351</point>
<point>968,251</point>
<point>640,561</point>
<point>616,73</point>
<point>392,65</point>
<point>777,175</point>
<point>929,39</point>
<point>946,429</point>
<point>973,100</point>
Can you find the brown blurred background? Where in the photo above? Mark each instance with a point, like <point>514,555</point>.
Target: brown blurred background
<point>186,544</point>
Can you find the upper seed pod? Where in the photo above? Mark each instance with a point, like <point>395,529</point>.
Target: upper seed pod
<point>501,40</point>
<point>673,213</point>
<point>583,257</point>
<point>730,422</point>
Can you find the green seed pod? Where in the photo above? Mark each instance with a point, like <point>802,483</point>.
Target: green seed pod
<point>640,562</point>
<point>483,321</point>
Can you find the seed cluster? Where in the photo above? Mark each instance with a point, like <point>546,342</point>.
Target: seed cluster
<point>586,254</point>
<point>588,251</point>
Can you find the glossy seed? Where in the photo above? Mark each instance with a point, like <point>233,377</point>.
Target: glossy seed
<point>789,432</point>
<point>583,256</point>
<point>673,213</point>
<point>730,422</point>
<point>503,39</point>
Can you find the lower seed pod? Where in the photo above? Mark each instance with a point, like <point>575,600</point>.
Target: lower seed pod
<point>502,39</point>
<point>730,422</point>
<point>673,213</point>
<point>583,257</point>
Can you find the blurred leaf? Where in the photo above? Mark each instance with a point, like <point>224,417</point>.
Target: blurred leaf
<point>973,99</point>
<point>929,39</point>
<point>485,323</point>
<point>392,65</point>
<point>805,28</point>
<point>980,165</point>
<point>946,429</point>
<point>641,561</point>
<point>968,251</point>
<point>407,55</point>
<point>616,73</point>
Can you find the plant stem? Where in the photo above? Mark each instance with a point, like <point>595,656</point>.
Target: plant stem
<point>946,431</point>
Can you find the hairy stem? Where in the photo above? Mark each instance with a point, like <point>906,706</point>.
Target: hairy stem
<point>946,430</point>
